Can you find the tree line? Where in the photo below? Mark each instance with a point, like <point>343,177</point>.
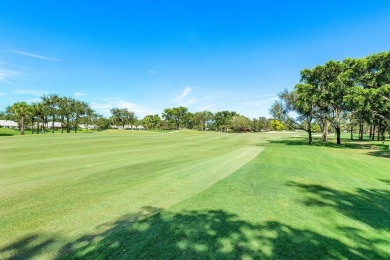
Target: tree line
<point>353,93</point>
<point>40,117</point>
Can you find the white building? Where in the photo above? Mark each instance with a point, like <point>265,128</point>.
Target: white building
<point>57,125</point>
<point>8,124</point>
<point>87,126</point>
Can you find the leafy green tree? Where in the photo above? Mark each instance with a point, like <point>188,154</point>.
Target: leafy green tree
<point>187,120</point>
<point>262,124</point>
<point>175,115</point>
<point>223,120</point>
<point>200,119</point>
<point>101,122</point>
<point>151,122</point>
<point>276,125</point>
<point>122,117</point>
<point>240,124</point>
<point>302,100</point>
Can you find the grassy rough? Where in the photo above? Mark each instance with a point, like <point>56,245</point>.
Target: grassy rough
<point>136,194</point>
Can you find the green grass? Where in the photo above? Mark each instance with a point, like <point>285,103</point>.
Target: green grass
<point>139,194</point>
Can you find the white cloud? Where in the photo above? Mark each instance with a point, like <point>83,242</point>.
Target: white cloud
<point>31,92</point>
<point>265,101</point>
<point>182,98</point>
<point>79,94</point>
<point>35,56</point>
<point>152,72</point>
<point>104,108</point>
<point>6,74</point>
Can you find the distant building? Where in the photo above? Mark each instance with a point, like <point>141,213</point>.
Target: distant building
<point>88,126</point>
<point>57,125</point>
<point>8,124</point>
<point>134,127</point>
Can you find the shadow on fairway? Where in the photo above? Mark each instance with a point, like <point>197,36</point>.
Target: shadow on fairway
<point>26,248</point>
<point>383,153</point>
<point>369,206</point>
<point>212,234</point>
<point>377,149</point>
<point>385,181</point>
<point>349,144</point>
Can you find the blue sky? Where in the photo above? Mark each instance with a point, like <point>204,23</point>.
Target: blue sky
<point>150,55</point>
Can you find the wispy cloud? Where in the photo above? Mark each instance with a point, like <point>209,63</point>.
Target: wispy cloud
<point>265,101</point>
<point>152,72</point>
<point>79,94</point>
<point>104,108</point>
<point>32,55</point>
<point>183,99</point>
<point>7,74</point>
<point>31,92</point>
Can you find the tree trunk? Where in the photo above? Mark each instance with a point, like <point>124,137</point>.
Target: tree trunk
<point>67,124</point>
<point>325,132</point>
<point>75,124</point>
<point>338,133</point>
<point>373,132</point>
<point>22,126</point>
<point>351,132</point>
<point>38,121</point>
<point>32,125</point>
<point>43,124</point>
<point>62,124</point>
<point>310,137</point>
<point>379,130</point>
<point>370,132</point>
<point>52,123</point>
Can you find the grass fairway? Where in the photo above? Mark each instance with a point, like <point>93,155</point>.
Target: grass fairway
<point>138,194</point>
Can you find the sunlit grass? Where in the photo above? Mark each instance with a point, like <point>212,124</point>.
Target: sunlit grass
<point>188,194</point>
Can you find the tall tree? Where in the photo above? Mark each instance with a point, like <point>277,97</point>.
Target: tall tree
<point>51,102</point>
<point>122,117</point>
<point>200,119</point>
<point>175,115</point>
<point>240,123</point>
<point>223,120</point>
<point>20,109</point>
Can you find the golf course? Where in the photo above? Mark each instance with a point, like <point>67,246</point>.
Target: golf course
<point>192,195</point>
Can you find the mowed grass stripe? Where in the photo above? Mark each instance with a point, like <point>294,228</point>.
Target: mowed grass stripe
<point>91,179</point>
<point>290,202</point>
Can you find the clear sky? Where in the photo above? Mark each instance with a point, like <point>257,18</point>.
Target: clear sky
<point>206,55</point>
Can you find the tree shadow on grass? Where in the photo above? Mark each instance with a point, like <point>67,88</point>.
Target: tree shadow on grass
<point>213,234</point>
<point>207,234</point>
<point>370,206</point>
<point>385,181</point>
<point>26,248</point>
<point>383,153</point>
<point>318,143</point>
<point>377,150</point>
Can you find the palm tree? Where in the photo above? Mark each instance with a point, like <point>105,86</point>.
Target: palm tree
<point>79,110</point>
<point>89,115</point>
<point>51,102</point>
<point>21,110</point>
<point>38,110</point>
